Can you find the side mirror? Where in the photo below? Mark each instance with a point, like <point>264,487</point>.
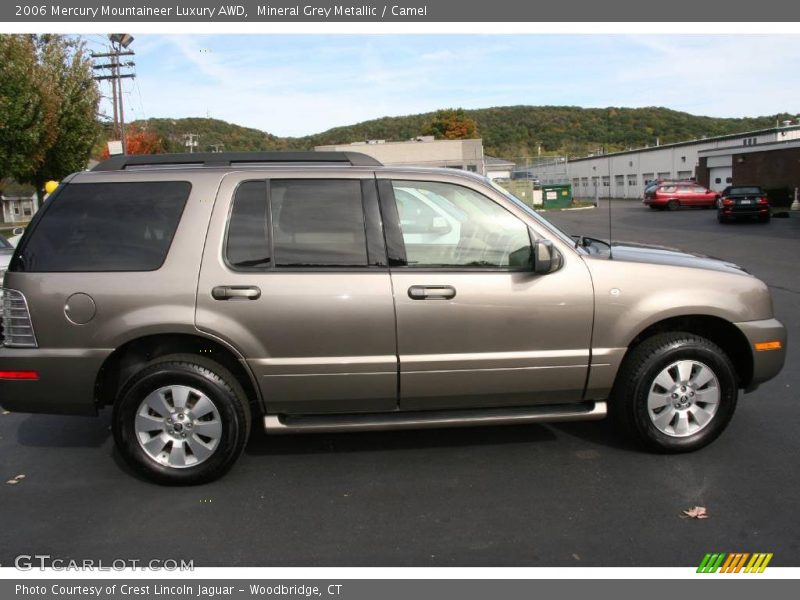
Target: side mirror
<point>18,231</point>
<point>546,258</point>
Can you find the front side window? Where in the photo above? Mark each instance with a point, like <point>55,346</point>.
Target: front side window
<point>92,227</point>
<point>446,225</point>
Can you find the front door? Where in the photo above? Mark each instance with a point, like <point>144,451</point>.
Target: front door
<point>475,327</point>
<point>294,276</point>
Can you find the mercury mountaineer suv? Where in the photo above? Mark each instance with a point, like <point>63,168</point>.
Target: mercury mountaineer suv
<point>319,292</point>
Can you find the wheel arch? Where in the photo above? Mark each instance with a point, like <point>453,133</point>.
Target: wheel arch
<point>716,329</point>
<point>128,358</point>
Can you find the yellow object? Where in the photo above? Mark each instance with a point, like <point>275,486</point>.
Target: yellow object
<point>761,346</point>
<point>50,186</point>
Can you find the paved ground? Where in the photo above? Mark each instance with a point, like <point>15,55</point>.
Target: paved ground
<point>537,495</point>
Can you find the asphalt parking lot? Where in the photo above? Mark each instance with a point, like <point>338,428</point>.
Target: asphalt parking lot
<point>543,495</point>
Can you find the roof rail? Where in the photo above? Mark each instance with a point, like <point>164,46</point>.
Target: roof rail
<point>231,159</point>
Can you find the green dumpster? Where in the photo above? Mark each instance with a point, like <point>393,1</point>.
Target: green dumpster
<point>557,196</point>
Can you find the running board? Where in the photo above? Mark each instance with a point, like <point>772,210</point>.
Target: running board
<point>283,424</point>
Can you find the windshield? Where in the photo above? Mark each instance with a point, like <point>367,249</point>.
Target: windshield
<point>750,191</point>
<point>563,236</point>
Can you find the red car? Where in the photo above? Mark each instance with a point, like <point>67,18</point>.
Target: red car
<point>672,196</point>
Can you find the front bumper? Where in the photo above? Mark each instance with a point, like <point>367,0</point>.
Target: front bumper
<point>65,384</point>
<point>766,363</point>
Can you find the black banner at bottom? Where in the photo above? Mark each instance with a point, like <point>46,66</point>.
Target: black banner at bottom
<point>733,587</point>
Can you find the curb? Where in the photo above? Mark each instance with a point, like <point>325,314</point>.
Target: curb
<point>565,209</point>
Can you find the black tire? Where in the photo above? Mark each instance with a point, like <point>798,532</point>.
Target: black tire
<point>763,219</point>
<point>673,205</point>
<point>199,373</point>
<point>721,219</point>
<point>628,403</point>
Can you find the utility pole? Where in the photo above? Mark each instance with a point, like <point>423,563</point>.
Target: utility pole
<point>112,71</point>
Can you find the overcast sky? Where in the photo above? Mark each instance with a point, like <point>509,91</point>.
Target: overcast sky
<point>300,84</point>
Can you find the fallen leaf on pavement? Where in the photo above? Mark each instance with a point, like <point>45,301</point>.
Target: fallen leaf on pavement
<point>698,512</point>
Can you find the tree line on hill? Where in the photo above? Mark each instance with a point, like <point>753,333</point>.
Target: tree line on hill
<point>510,132</point>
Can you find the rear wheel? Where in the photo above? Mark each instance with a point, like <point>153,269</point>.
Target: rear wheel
<point>182,420</point>
<point>673,205</point>
<point>721,219</point>
<point>764,219</point>
<point>675,392</point>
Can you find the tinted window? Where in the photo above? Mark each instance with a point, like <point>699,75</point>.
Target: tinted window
<point>106,227</point>
<point>318,222</point>
<point>247,248</point>
<point>446,225</point>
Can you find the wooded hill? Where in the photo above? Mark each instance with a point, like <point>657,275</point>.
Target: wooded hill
<point>508,131</point>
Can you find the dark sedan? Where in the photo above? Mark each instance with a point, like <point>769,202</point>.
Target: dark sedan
<point>743,202</point>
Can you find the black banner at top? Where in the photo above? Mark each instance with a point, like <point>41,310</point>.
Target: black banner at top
<point>448,11</point>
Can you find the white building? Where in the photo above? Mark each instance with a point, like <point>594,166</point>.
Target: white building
<point>423,151</point>
<point>19,204</point>
<point>623,174</point>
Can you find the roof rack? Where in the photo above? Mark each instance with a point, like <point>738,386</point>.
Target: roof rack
<point>231,159</point>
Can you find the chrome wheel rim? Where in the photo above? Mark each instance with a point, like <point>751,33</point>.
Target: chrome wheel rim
<point>683,398</point>
<point>178,426</point>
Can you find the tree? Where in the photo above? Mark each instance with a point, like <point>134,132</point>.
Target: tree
<point>140,140</point>
<point>61,105</point>
<point>451,124</point>
<point>27,111</point>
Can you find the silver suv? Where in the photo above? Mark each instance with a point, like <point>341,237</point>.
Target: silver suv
<point>319,292</point>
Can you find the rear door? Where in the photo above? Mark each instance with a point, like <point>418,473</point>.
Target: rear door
<point>294,275</point>
<point>475,327</point>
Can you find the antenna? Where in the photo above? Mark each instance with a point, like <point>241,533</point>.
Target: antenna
<point>608,163</point>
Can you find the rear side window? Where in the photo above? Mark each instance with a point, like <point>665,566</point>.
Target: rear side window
<point>297,223</point>
<point>318,222</point>
<point>248,237</point>
<point>90,227</point>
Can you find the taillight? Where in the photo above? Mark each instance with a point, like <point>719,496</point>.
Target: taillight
<point>763,200</point>
<point>19,375</point>
<point>727,202</point>
<point>17,326</point>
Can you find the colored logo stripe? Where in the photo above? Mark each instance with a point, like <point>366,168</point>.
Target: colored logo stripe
<point>734,562</point>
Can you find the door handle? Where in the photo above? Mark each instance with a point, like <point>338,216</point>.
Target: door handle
<point>431,292</point>
<point>236,292</point>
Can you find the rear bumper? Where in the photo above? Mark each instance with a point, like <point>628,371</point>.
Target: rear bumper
<point>766,363</point>
<point>746,212</point>
<point>65,384</point>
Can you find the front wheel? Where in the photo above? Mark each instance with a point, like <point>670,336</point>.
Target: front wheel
<point>675,392</point>
<point>182,419</point>
<point>673,205</point>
